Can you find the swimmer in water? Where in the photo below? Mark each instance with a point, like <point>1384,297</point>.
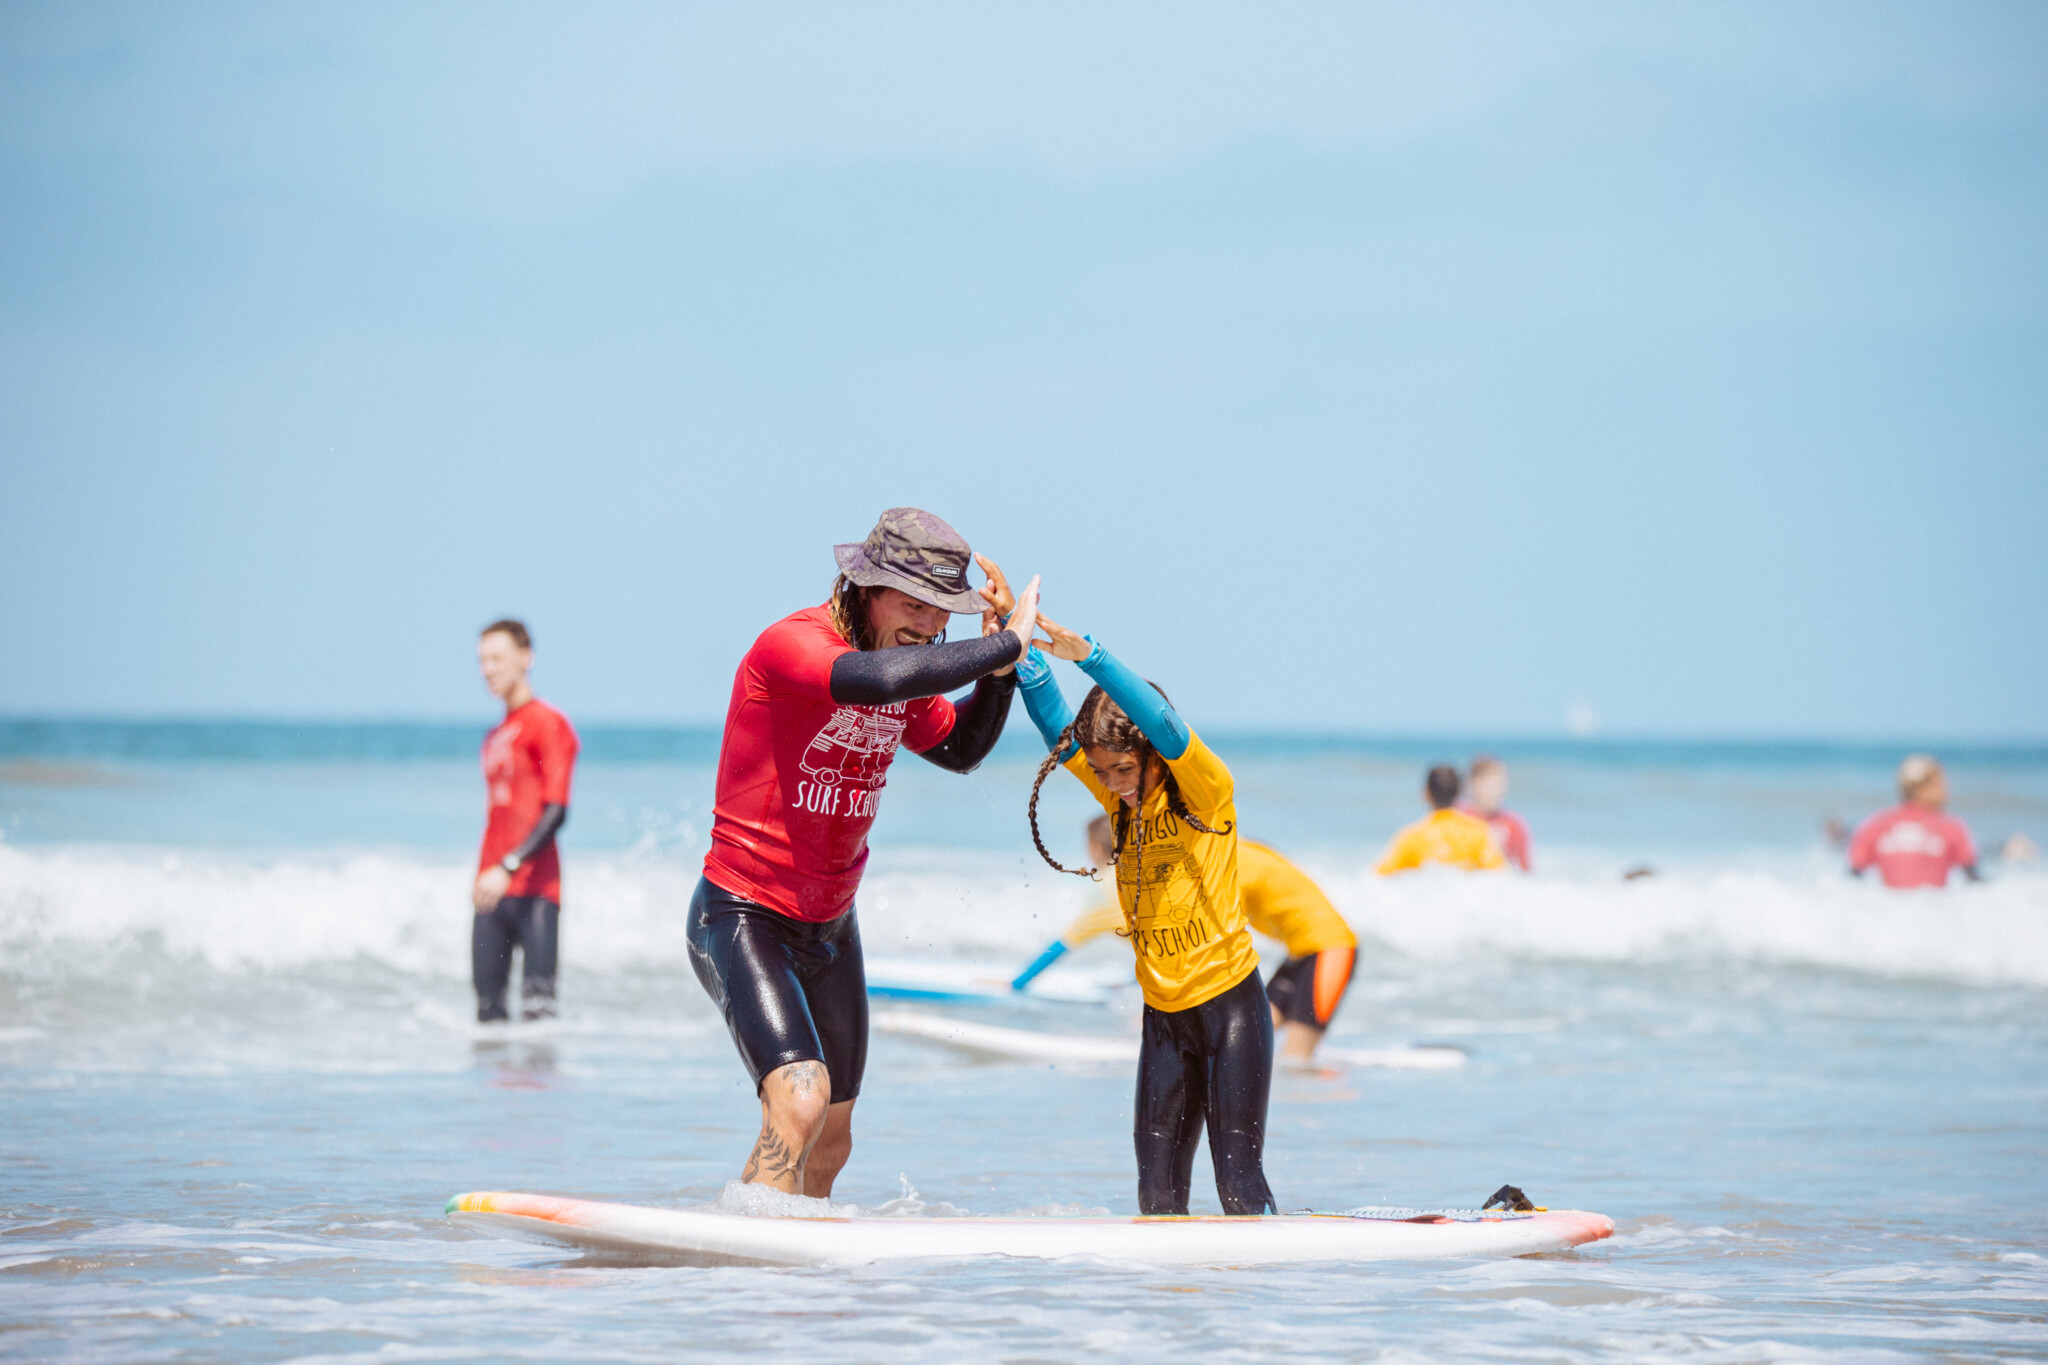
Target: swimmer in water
<point>819,707</point>
<point>1488,787</point>
<point>1281,902</point>
<point>1206,1055</point>
<point>1446,835</point>
<point>528,760</point>
<point>1915,843</point>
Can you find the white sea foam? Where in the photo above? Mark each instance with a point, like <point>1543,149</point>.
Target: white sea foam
<point>763,1201</point>
<point>69,907</point>
<point>1785,914</point>
<point>237,912</point>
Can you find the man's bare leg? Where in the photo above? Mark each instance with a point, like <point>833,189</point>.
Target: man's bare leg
<point>795,1100</point>
<point>828,1157</point>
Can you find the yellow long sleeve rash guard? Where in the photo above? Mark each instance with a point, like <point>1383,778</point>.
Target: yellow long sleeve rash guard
<point>1181,905</point>
<point>1444,836</point>
<point>1280,901</point>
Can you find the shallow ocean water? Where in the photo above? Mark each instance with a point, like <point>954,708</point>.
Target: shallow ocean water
<point>239,1081</point>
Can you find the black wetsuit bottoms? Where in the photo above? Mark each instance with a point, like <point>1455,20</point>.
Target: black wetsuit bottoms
<point>1308,989</point>
<point>1211,1064</point>
<point>790,990</point>
<point>531,925</point>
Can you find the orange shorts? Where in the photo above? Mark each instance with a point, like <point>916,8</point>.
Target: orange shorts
<point>1307,990</point>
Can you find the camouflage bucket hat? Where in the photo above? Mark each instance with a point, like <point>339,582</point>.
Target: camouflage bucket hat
<point>917,553</point>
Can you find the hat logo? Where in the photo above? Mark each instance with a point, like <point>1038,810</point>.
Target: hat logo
<point>944,571</point>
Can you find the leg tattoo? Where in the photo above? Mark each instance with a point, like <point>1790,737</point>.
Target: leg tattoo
<point>780,1152</point>
<point>805,1078</point>
<point>771,1158</point>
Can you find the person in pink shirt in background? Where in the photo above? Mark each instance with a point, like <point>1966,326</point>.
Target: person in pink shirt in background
<point>1915,843</point>
<point>1489,787</point>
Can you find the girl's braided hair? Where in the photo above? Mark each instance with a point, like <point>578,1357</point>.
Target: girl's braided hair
<point>1102,724</point>
<point>849,607</point>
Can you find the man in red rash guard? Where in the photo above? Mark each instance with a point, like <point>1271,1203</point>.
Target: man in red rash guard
<point>528,759</point>
<point>1489,788</point>
<point>819,707</point>
<point>1915,843</point>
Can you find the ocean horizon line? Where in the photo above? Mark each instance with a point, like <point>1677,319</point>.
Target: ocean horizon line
<point>257,737</point>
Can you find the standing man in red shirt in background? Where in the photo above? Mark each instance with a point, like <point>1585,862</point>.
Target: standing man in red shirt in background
<point>518,893</point>
<point>1915,843</point>
<point>1489,788</point>
<point>819,707</point>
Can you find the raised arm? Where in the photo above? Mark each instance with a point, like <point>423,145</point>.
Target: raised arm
<point>1042,700</point>
<point>878,677</point>
<point>977,725</point>
<point>1141,701</point>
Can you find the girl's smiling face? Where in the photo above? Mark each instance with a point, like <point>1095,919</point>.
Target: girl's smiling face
<point>1121,773</point>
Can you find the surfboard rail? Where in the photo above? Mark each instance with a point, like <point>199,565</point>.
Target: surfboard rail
<point>708,1237</point>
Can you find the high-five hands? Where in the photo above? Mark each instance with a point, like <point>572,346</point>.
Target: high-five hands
<point>1024,620</point>
<point>1004,603</point>
<point>1064,644</point>
<point>996,592</point>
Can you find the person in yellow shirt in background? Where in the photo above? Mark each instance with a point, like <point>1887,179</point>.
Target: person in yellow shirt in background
<point>1446,835</point>
<point>1205,1056</point>
<point>1281,902</point>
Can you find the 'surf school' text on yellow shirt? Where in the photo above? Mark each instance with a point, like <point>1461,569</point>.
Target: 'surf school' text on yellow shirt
<point>1443,836</point>
<point>1181,907</point>
<point>1281,902</point>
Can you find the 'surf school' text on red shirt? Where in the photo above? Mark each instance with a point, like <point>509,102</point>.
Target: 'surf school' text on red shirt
<point>799,775</point>
<point>1509,832</point>
<point>527,762</point>
<point>1912,846</point>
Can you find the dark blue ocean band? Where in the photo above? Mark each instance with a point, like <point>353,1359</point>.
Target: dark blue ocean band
<point>1140,700</point>
<point>1045,959</point>
<point>1042,700</point>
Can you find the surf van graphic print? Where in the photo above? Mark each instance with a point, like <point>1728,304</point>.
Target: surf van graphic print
<point>847,762</point>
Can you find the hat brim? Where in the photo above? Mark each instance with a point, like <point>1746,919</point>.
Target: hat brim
<point>859,571</point>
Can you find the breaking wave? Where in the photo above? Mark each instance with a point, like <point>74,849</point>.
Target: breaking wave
<point>74,912</point>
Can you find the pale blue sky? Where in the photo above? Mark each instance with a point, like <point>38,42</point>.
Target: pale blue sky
<point>1418,367</point>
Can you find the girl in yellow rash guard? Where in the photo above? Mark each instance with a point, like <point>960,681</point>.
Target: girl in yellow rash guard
<point>1281,902</point>
<point>1207,1052</point>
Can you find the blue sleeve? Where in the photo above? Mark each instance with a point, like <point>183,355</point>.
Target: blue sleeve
<point>1140,700</point>
<point>1045,959</point>
<point>1042,699</point>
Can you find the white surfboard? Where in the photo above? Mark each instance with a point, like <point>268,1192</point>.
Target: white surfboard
<point>968,983</point>
<point>1031,1045</point>
<point>1006,1044</point>
<point>1417,1057</point>
<point>703,1237</point>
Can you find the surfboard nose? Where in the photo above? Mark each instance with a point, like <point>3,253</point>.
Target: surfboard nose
<point>1587,1227</point>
